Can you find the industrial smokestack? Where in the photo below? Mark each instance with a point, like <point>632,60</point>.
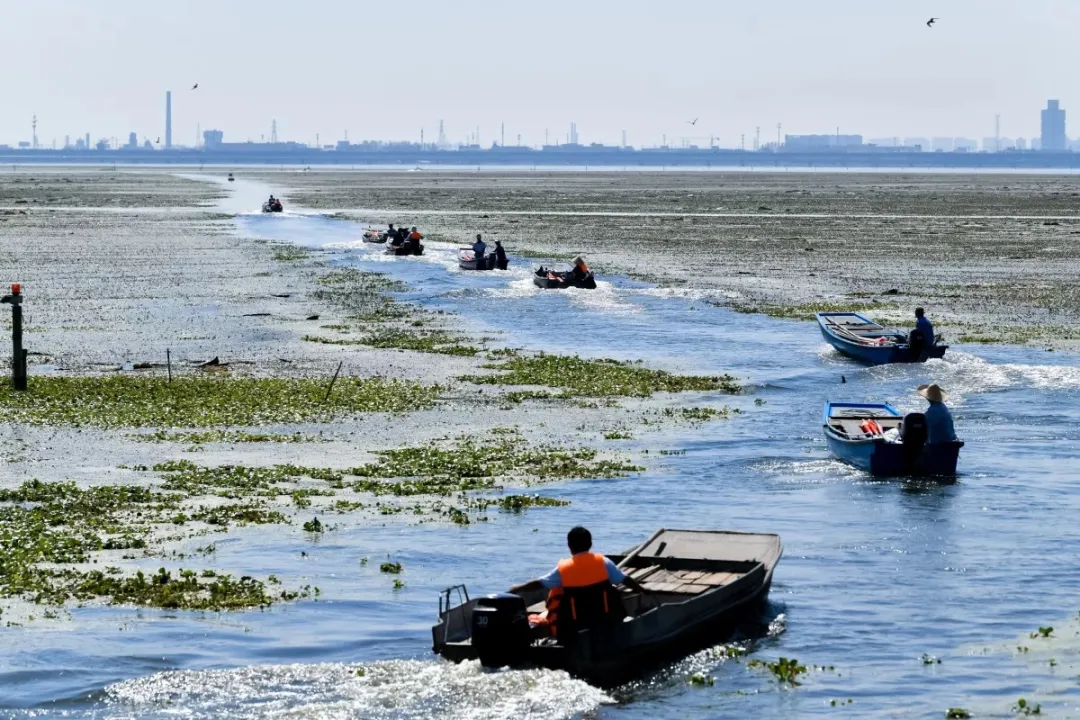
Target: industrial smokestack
<point>168,119</point>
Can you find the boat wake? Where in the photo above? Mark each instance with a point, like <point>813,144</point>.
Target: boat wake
<point>963,375</point>
<point>393,689</point>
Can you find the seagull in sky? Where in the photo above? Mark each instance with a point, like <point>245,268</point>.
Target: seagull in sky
<point>195,86</point>
<point>930,22</point>
<point>694,121</point>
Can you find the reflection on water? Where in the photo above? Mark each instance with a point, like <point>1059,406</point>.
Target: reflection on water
<point>875,574</point>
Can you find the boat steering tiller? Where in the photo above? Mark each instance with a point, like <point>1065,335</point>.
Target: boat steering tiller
<point>18,354</point>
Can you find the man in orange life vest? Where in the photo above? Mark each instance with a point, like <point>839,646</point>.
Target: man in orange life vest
<point>585,580</point>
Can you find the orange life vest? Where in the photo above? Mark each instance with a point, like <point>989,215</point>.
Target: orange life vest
<point>415,236</point>
<point>550,616</point>
<point>870,426</point>
<point>588,591</point>
<point>584,268</point>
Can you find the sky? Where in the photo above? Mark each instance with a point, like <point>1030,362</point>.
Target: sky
<point>387,70</point>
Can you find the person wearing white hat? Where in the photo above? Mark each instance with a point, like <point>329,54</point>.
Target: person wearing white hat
<point>939,422</point>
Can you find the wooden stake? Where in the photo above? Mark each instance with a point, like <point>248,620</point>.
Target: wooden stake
<point>168,363</point>
<point>332,381</point>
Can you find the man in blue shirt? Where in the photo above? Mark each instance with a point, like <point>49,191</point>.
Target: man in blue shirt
<point>939,422</point>
<point>479,248</point>
<point>923,324</point>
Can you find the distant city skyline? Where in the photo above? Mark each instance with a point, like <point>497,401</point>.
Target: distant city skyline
<point>491,69</point>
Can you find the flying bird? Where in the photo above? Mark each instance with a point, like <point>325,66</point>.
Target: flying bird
<point>158,141</point>
<point>694,121</point>
<point>195,86</point>
<point>930,22</point>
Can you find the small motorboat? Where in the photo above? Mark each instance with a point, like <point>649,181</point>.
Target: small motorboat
<point>467,260</point>
<point>877,438</point>
<point>862,339</point>
<point>560,277</point>
<point>231,178</point>
<point>703,586</point>
<point>272,207</point>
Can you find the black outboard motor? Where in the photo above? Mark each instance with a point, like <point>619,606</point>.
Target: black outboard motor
<point>916,345</point>
<point>500,630</point>
<point>913,434</point>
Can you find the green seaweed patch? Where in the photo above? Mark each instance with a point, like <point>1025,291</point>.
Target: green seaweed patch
<point>957,713</point>
<point>597,378</point>
<point>700,680</point>
<point>291,253</point>
<point>371,281</point>
<point>1023,707</point>
<point>46,526</point>
<point>438,342</point>
<point>391,568</point>
<point>786,670</point>
<point>223,436</point>
<point>194,401</point>
<point>808,311</point>
<point>518,503</point>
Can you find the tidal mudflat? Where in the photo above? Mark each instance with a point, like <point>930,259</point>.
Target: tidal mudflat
<point>257,538</point>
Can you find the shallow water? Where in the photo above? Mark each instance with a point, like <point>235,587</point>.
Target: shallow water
<point>874,574</point>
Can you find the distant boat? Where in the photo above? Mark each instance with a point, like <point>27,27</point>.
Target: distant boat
<point>848,439</point>
<point>862,339</point>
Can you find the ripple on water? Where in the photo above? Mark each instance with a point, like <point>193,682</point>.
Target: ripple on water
<point>394,689</point>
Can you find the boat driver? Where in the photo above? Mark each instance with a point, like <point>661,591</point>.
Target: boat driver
<point>582,577</point>
<point>579,272</point>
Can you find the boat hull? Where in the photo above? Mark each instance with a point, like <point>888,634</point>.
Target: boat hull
<point>547,283</point>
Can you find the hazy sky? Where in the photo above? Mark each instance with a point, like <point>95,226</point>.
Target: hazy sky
<point>386,69</point>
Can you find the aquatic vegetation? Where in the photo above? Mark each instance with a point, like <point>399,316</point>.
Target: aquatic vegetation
<point>398,583</point>
<point>222,436</point>
<point>699,680</point>
<point>834,703</point>
<point>930,659</point>
<point>291,253</point>
<point>786,670</point>
<point>47,527</point>
<point>372,281</point>
<point>391,568</point>
<point>433,341</point>
<point>696,414</point>
<point>475,464</point>
<point>597,378</point>
<point>1023,707</point>
<point>807,311</point>
<point>519,396</point>
<point>195,401</point>
<point>957,713</point>
<point>1042,632</point>
<point>313,525</point>
<point>618,435</point>
<point>517,503</point>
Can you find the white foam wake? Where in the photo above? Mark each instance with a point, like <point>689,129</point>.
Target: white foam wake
<point>394,689</point>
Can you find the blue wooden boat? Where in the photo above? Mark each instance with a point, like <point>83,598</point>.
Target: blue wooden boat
<point>873,452</point>
<point>862,339</point>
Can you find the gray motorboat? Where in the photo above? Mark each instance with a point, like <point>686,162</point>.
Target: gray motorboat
<point>702,585</point>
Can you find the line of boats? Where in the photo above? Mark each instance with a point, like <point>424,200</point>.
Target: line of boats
<point>702,585</point>
<point>555,277</point>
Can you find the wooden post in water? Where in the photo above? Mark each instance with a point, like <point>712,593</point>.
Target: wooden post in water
<point>332,381</point>
<point>18,353</point>
<point>168,362</point>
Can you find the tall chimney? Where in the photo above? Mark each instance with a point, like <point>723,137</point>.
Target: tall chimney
<point>168,119</point>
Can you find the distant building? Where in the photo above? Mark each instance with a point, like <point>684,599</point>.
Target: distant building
<point>80,144</point>
<point>1036,144</point>
<point>917,142</point>
<point>990,144</point>
<point>886,142</point>
<point>212,139</point>
<point>798,143</point>
<point>168,120</point>
<point>961,144</point>
<point>1021,144</point>
<point>942,144</point>
<point>133,142</point>
<point>1053,127</point>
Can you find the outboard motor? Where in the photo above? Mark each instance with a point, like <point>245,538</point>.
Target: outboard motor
<point>913,434</point>
<point>916,345</point>
<point>500,630</point>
